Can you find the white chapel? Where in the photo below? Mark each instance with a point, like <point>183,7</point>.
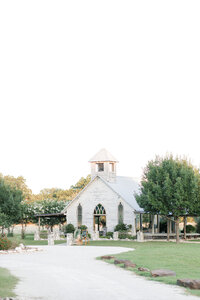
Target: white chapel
<point>107,200</point>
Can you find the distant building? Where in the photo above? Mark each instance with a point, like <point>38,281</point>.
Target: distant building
<point>107,200</point>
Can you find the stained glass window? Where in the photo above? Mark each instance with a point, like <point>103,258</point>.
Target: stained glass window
<point>120,214</point>
<point>99,210</point>
<point>79,215</point>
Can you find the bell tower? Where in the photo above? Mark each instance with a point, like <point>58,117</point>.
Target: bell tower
<point>103,164</point>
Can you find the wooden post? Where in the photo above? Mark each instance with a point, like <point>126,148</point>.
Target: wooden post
<point>141,222</point>
<point>158,224</point>
<point>152,224</point>
<point>168,228</point>
<point>39,226</point>
<point>177,229</point>
<point>185,222</point>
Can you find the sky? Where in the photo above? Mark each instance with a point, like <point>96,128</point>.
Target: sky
<point>78,76</point>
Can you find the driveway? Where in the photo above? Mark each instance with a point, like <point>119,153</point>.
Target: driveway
<point>72,273</point>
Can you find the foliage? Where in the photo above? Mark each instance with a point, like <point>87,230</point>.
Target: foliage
<point>170,187</point>
<point>190,229</point>
<point>124,235</point>
<point>82,227</point>
<point>69,228</point>
<point>198,226</point>
<point>18,183</point>
<point>5,243</point>
<point>109,234</point>
<point>121,227</point>
<point>48,207</point>
<point>10,204</point>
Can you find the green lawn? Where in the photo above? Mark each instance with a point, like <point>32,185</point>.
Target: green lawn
<point>184,259</point>
<point>7,283</point>
<point>29,240</point>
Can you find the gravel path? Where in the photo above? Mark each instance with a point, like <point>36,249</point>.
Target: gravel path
<point>72,273</point>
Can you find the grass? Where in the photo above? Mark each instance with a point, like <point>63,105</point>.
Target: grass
<point>29,240</point>
<point>182,258</point>
<point>7,283</point>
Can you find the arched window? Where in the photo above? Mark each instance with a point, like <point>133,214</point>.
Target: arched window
<point>120,214</point>
<point>99,210</point>
<point>79,213</point>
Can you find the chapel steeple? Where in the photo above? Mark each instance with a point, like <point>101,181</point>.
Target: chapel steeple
<point>103,164</point>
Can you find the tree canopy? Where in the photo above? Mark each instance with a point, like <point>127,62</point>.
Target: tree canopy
<point>170,187</point>
<point>10,204</point>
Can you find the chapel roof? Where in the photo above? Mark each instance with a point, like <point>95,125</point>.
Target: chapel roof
<point>103,155</point>
<point>126,187</point>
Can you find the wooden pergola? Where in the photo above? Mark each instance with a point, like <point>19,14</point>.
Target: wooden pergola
<point>61,215</point>
<point>169,219</point>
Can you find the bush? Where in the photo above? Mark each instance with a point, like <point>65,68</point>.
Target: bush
<point>109,234</point>
<point>82,227</point>
<point>10,234</point>
<point>124,235</point>
<point>69,228</point>
<point>121,227</point>
<point>5,243</point>
<point>190,229</point>
<point>198,226</point>
<point>14,243</point>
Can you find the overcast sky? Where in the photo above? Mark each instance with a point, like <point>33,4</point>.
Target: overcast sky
<point>78,76</point>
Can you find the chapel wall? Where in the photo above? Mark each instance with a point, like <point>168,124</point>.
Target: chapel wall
<point>99,192</point>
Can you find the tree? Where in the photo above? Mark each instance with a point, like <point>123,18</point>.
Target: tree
<point>10,204</point>
<point>19,183</point>
<point>49,207</point>
<point>169,187</point>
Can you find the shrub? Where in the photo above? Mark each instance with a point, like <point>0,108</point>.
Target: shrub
<point>198,226</point>
<point>124,235</point>
<point>5,243</point>
<point>121,227</point>
<point>69,228</point>
<point>82,227</point>
<point>190,229</point>
<point>10,234</point>
<point>14,243</point>
<point>109,234</point>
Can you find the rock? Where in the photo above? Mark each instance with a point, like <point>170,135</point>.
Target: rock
<point>189,283</point>
<point>18,249</point>
<point>107,257</point>
<point>143,269</point>
<point>162,272</point>
<point>129,264</point>
<point>22,246</point>
<point>120,261</point>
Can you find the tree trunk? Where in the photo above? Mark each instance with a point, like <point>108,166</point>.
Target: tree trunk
<point>185,222</point>
<point>177,230</point>
<point>168,224</point>
<point>23,232</point>
<point>152,224</point>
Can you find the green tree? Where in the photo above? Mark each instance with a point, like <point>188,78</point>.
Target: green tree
<point>49,207</point>
<point>18,183</point>
<point>169,187</point>
<point>10,204</point>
